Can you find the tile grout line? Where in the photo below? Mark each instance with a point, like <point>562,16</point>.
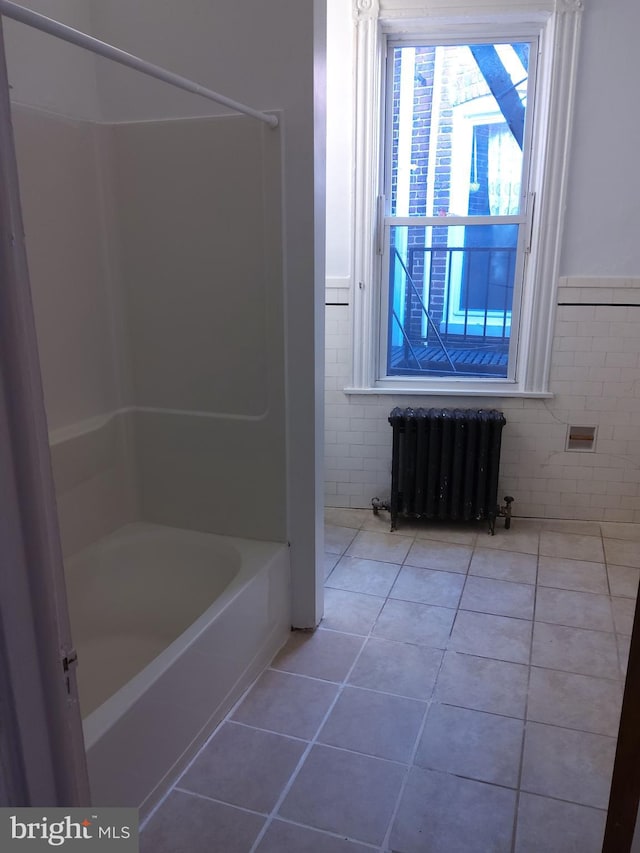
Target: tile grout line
<point>583,674</point>
<point>428,702</point>
<point>176,783</point>
<point>408,766</point>
<point>621,674</point>
<point>326,832</point>
<point>225,719</point>
<point>450,704</point>
<point>386,843</point>
<point>514,836</point>
<point>199,796</point>
<point>387,838</point>
<point>464,586</point>
<point>314,741</point>
<point>235,806</point>
<point>621,670</point>
<point>531,620</point>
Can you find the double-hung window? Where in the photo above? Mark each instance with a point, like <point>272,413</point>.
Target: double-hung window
<point>461,159</point>
<point>456,224</point>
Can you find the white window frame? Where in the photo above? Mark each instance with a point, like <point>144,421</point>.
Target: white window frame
<point>456,222</point>
<point>557,25</point>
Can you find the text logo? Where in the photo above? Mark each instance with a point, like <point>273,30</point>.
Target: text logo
<point>99,829</point>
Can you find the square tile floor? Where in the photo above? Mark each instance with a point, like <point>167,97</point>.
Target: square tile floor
<point>461,695</point>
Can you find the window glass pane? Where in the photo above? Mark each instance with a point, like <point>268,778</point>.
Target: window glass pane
<point>458,118</point>
<point>450,299</point>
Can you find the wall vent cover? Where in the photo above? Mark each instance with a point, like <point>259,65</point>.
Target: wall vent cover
<point>581,438</point>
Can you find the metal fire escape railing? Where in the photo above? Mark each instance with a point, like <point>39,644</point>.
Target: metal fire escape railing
<point>470,252</point>
<point>425,310</point>
<point>488,316</point>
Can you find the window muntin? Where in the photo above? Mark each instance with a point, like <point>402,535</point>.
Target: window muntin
<point>457,140</point>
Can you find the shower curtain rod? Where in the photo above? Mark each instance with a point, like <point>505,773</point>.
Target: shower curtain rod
<point>62,31</point>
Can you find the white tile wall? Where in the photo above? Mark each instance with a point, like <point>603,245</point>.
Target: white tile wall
<point>595,379</point>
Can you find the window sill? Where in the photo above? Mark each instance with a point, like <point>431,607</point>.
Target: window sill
<point>404,390</point>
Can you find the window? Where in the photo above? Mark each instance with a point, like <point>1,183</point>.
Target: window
<point>461,156</point>
<point>457,204</point>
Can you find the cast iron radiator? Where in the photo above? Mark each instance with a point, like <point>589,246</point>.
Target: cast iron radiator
<point>445,465</point>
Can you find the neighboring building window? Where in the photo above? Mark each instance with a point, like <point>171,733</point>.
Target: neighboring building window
<point>454,278</point>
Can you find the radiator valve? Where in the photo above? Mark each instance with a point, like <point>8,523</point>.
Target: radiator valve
<point>505,511</point>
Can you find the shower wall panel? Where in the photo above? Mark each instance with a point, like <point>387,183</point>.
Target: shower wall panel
<point>66,243</point>
<point>94,475</point>
<point>191,212</point>
<point>198,212</point>
<point>156,272</point>
<point>63,172</point>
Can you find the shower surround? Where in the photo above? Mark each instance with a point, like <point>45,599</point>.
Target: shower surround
<point>155,259</point>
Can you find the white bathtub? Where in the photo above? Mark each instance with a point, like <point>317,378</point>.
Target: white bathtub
<point>170,627</point>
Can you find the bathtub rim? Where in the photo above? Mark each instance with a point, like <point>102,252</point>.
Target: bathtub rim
<point>255,555</point>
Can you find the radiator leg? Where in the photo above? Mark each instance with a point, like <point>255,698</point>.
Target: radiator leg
<point>377,505</point>
<point>508,500</point>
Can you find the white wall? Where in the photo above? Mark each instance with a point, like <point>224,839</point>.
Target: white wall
<point>340,126</point>
<point>63,78</point>
<point>603,203</point>
<point>595,374</point>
